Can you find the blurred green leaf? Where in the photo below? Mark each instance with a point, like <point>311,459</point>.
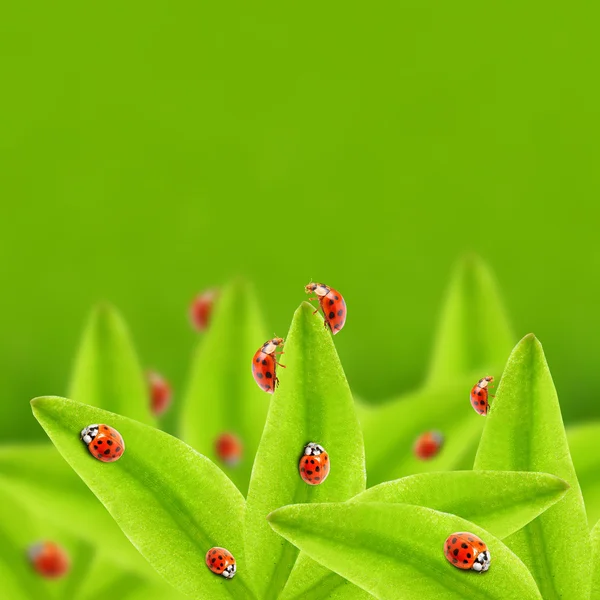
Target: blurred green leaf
<point>313,404</point>
<point>222,395</point>
<point>585,451</point>
<point>170,501</point>
<point>45,484</point>
<point>107,371</point>
<point>500,502</point>
<point>473,340</point>
<point>396,551</point>
<point>524,432</point>
<point>595,537</point>
<point>474,336</point>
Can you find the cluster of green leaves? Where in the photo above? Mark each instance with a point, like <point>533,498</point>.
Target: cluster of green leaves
<point>514,484</point>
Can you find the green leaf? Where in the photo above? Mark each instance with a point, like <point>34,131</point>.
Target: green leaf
<point>595,537</point>
<point>500,502</point>
<point>171,502</point>
<point>313,404</point>
<point>107,371</point>
<point>221,394</point>
<point>524,432</point>
<point>585,451</point>
<point>474,336</point>
<point>396,551</point>
<point>43,483</point>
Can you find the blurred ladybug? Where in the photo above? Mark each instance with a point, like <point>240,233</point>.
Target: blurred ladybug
<point>228,448</point>
<point>428,445</point>
<point>479,396</point>
<point>103,442</point>
<point>221,562</point>
<point>314,464</point>
<point>467,551</point>
<point>49,559</point>
<point>160,393</point>
<point>201,309</point>
<point>264,364</point>
<point>332,304</point>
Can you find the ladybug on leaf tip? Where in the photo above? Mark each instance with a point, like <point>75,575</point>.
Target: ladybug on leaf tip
<point>332,304</point>
<point>104,443</point>
<point>479,396</point>
<point>467,551</point>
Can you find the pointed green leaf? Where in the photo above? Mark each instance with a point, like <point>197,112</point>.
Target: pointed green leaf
<point>107,371</point>
<point>474,336</point>
<point>585,451</point>
<point>47,487</point>
<point>396,551</point>
<point>524,432</point>
<point>595,536</point>
<point>221,396</point>
<point>500,502</point>
<point>171,502</point>
<point>313,404</point>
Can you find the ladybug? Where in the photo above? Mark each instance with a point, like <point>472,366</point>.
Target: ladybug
<point>332,304</point>
<point>221,562</point>
<point>479,396</point>
<point>103,442</point>
<point>314,464</point>
<point>49,559</point>
<point>264,364</point>
<point>428,445</point>
<point>201,309</point>
<point>467,551</point>
<point>160,393</point>
<point>228,448</point>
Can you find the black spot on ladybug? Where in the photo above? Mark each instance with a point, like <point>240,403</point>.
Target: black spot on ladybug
<point>481,402</point>
<point>337,297</point>
<point>326,458</point>
<point>99,455</point>
<point>118,449</point>
<point>309,472</point>
<point>110,442</point>
<point>267,386</point>
<point>220,557</point>
<point>454,560</point>
<point>105,428</point>
<point>337,326</point>
<point>95,447</point>
<point>455,552</point>
<point>99,442</point>
<point>317,478</point>
<point>330,302</point>
<point>268,375</point>
<point>312,461</point>
<point>468,555</point>
<point>465,562</point>
<point>258,360</point>
<point>470,538</point>
<point>107,452</point>
<point>340,313</point>
<point>221,564</point>
<point>213,560</point>
<point>264,362</point>
<point>331,315</point>
<point>463,545</point>
<point>318,469</point>
<point>480,393</point>
<point>480,543</point>
<point>454,540</point>
<point>259,375</point>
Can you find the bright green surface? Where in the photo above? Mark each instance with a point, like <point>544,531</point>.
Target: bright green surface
<point>151,149</point>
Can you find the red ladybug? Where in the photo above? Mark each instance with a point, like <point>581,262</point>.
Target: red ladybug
<point>201,309</point>
<point>228,448</point>
<point>332,304</point>
<point>264,364</point>
<point>479,396</point>
<point>103,442</point>
<point>428,445</point>
<point>49,559</point>
<point>467,551</point>
<point>221,562</point>
<point>314,464</point>
<point>160,393</point>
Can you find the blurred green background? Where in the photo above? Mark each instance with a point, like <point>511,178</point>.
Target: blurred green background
<point>149,150</point>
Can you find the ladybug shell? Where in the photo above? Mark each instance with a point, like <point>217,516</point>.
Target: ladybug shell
<point>160,393</point>
<point>263,371</point>
<point>462,549</point>
<point>479,399</point>
<point>219,559</point>
<point>314,470</point>
<point>49,559</point>
<point>428,445</point>
<point>108,445</point>
<point>228,448</point>
<point>333,306</point>
<point>201,309</point>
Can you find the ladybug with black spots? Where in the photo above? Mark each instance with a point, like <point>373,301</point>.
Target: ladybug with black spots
<point>332,304</point>
<point>314,465</point>
<point>49,559</point>
<point>466,551</point>
<point>479,396</point>
<point>104,442</point>
<point>264,364</point>
<point>221,562</point>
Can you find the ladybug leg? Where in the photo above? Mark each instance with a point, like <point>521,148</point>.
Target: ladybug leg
<point>276,382</point>
<point>280,365</point>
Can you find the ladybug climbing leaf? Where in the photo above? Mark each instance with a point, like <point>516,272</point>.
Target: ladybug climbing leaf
<point>171,502</point>
<point>524,431</point>
<point>397,551</point>
<point>107,371</point>
<point>221,397</point>
<point>313,404</point>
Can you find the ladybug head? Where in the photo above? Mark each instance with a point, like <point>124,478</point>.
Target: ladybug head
<point>318,288</point>
<point>229,571</point>
<point>277,341</point>
<point>482,562</point>
<point>483,383</point>
<point>311,287</point>
<point>312,449</point>
<point>88,434</point>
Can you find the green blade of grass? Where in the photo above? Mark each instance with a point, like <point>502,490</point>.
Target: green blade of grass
<point>595,537</point>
